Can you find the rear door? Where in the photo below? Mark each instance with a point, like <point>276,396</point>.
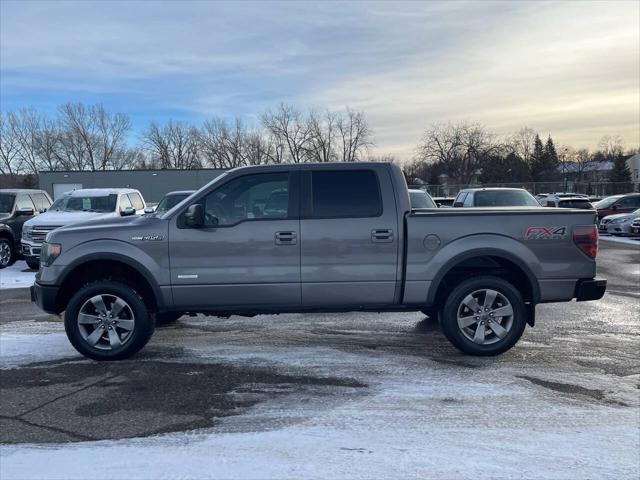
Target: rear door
<point>248,251</point>
<point>349,237</point>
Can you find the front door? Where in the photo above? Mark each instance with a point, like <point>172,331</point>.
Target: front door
<point>247,254</point>
<point>349,235</point>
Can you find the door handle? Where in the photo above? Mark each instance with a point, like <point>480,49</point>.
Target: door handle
<point>286,238</point>
<point>382,235</point>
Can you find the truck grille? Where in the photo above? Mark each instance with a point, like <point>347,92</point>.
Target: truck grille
<point>38,233</point>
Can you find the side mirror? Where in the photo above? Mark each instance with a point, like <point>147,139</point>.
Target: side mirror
<point>615,207</point>
<point>194,216</point>
<point>127,212</point>
<point>149,210</point>
<point>24,212</point>
<point>42,210</point>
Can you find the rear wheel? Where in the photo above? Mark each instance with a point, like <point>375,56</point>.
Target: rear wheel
<point>108,320</point>
<point>484,316</point>
<point>7,253</point>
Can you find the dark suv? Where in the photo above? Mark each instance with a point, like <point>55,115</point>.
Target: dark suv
<point>16,207</point>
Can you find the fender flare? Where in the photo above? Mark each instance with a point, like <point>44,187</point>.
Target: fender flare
<point>483,252</point>
<point>4,228</point>
<point>155,288</point>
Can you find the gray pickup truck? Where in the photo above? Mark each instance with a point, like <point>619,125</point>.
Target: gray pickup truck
<point>315,238</point>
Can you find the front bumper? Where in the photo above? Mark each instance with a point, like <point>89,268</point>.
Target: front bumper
<point>45,297</point>
<point>30,250</point>
<point>590,289</point>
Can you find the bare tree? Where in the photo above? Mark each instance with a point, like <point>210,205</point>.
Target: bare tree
<point>174,145</point>
<point>99,134</point>
<point>355,135</point>
<point>611,147</point>
<point>322,136</point>
<point>290,133</point>
<point>523,143</point>
<point>9,145</point>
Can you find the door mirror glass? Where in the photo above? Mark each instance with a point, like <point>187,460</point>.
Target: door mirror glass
<point>128,211</point>
<point>194,216</point>
<point>26,212</point>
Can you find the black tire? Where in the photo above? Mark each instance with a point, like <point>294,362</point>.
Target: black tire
<point>449,318</point>
<point>8,254</point>
<point>33,264</point>
<point>166,318</point>
<point>140,334</point>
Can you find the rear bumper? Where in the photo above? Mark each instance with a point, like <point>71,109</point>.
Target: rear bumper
<point>590,289</point>
<point>45,297</point>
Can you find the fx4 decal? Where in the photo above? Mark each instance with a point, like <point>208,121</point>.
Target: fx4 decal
<point>545,233</point>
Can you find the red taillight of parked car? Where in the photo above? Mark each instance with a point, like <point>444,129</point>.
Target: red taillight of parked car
<point>586,238</point>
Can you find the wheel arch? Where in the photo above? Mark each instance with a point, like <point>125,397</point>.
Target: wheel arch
<point>485,261</point>
<point>106,265</point>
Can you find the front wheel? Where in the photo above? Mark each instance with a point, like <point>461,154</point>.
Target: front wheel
<point>484,316</point>
<point>108,320</point>
<point>33,264</point>
<point>7,253</point>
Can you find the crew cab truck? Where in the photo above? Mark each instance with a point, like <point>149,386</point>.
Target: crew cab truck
<point>314,238</point>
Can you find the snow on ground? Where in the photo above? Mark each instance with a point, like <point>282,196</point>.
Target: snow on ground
<point>625,240</point>
<point>18,275</point>
<point>418,418</point>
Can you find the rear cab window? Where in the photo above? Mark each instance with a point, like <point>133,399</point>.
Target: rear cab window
<point>24,201</point>
<point>344,194</point>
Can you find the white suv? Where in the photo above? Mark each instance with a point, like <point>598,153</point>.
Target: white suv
<point>77,206</point>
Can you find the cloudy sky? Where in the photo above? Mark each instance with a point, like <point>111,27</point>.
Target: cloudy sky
<point>571,69</point>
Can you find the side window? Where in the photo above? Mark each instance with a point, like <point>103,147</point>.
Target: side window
<point>136,201</point>
<point>345,194</point>
<point>23,201</point>
<point>40,201</point>
<point>628,202</point>
<point>263,196</point>
<point>468,202</point>
<point>459,201</point>
<point>124,202</point>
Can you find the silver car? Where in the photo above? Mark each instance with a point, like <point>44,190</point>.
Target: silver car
<point>619,224</point>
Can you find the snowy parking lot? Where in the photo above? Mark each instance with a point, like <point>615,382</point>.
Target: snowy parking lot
<point>332,395</point>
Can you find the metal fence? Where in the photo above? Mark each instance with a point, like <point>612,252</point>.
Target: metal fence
<point>594,189</point>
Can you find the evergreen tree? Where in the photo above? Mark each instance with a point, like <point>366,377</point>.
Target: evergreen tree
<point>551,159</point>
<point>537,160</point>
<point>621,175</point>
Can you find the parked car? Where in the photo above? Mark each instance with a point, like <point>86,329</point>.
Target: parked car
<point>78,206</point>
<point>16,207</point>
<point>421,199</point>
<point>581,202</point>
<point>619,224</point>
<point>635,227</point>
<point>626,203</point>
<point>344,239</point>
<point>495,197</point>
<point>169,201</point>
<point>444,201</point>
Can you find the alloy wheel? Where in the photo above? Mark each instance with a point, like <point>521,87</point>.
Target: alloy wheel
<point>5,253</point>
<point>106,322</point>
<point>485,316</point>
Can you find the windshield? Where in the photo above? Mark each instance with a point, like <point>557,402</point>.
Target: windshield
<point>607,202</point>
<point>505,198</point>
<point>421,200</point>
<point>170,201</point>
<point>102,204</point>
<point>6,202</point>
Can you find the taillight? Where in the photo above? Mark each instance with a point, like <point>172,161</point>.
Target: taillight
<point>586,238</point>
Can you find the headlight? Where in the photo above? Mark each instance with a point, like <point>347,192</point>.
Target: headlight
<point>26,231</point>
<point>49,252</point>
<point>620,220</point>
